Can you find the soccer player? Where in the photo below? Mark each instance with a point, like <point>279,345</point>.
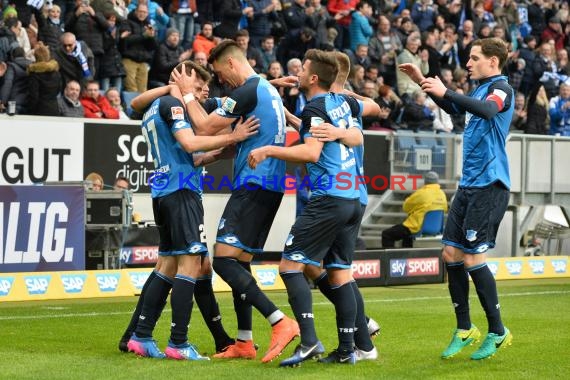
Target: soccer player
<point>256,193</point>
<point>366,328</point>
<point>177,206</point>
<point>203,292</point>
<point>327,228</point>
<point>483,194</point>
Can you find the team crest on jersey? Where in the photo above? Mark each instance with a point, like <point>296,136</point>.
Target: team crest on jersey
<point>177,113</point>
<point>471,235</point>
<point>229,105</point>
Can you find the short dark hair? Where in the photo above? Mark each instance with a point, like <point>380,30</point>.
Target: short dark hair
<point>493,47</point>
<point>200,71</point>
<point>241,33</point>
<point>225,48</point>
<point>324,66</point>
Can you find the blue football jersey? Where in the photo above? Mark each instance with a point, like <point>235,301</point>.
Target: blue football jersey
<point>259,98</point>
<point>484,154</point>
<point>359,157</point>
<point>173,167</point>
<point>337,163</point>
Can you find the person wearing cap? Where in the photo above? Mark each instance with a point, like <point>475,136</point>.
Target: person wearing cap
<point>429,197</point>
<point>169,54</point>
<point>554,32</point>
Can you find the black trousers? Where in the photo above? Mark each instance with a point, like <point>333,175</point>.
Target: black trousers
<point>395,233</point>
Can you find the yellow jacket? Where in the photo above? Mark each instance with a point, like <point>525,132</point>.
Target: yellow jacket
<point>426,198</point>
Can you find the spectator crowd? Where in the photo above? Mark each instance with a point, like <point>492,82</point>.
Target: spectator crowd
<point>86,58</point>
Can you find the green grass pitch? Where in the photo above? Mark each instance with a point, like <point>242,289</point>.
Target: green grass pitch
<point>77,339</point>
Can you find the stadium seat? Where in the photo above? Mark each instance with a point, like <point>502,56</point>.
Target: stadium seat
<point>127,97</point>
<point>438,151</point>
<point>432,225</point>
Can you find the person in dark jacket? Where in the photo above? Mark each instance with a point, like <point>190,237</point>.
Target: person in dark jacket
<point>50,28</point>
<point>137,44</point>
<point>88,26</point>
<point>537,118</point>
<point>68,103</point>
<point>168,55</point>
<point>15,83</point>
<point>44,83</point>
<point>111,69</point>
<point>75,59</point>
<point>232,13</point>
<point>416,114</point>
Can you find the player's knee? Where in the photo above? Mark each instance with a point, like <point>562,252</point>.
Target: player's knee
<point>452,254</point>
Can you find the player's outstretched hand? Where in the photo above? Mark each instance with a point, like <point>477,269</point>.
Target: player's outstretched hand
<point>256,156</point>
<point>434,86</point>
<point>246,128</point>
<point>326,132</point>
<point>412,71</point>
<point>288,81</point>
<point>184,81</point>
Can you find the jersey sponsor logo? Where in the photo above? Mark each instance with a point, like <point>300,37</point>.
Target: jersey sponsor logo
<point>177,113</point>
<point>536,266</point>
<point>73,283</point>
<point>229,105</point>
<point>366,269</point>
<point>482,248</point>
<point>108,282</point>
<point>230,239</point>
<point>289,240</point>
<point>559,266</point>
<point>471,235</point>
<point>266,277</point>
<point>37,284</point>
<point>514,267</point>
<point>196,247</point>
<point>5,285</point>
<point>138,279</point>
<point>180,124</point>
<point>316,121</point>
<point>299,257</point>
<point>493,267</point>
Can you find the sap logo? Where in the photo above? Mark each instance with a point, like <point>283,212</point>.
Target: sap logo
<point>126,253</point>
<point>537,266</point>
<point>493,267</point>
<point>514,267</point>
<point>138,279</point>
<point>73,283</point>
<point>398,268</point>
<point>37,284</point>
<point>108,282</point>
<point>559,266</point>
<point>6,285</point>
<point>266,276</point>
<point>423,266</point>
<point>366,269</point>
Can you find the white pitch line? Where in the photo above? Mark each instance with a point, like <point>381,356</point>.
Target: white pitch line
<point>97,314</point>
